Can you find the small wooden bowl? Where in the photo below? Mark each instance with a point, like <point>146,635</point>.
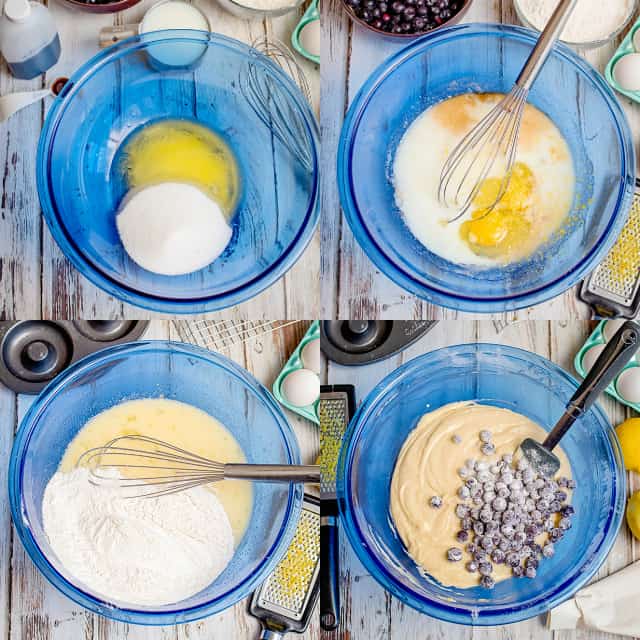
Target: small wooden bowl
<point>407,36</point>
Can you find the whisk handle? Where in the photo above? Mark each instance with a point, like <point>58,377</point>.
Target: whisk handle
<point>545,43</point>
<point>273,472</point>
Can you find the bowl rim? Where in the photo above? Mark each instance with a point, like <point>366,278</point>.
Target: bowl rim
<point>377,569</point>
<point>429,291</point>
<point>92,602</point>
<point>126,293</point>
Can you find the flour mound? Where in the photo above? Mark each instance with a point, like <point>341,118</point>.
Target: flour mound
<point>139,551</point>
<point>172,228</point>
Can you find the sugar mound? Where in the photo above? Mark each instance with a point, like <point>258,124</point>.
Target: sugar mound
<point>172,228</point>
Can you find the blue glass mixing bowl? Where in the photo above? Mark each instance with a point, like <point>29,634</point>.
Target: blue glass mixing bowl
<point>133,84</point>
<point>176,371</point>
<point>504,377</point>
<point>485,58</point>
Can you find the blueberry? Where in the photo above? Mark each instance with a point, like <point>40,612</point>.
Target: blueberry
<point>499,504</point>
<point>531,562</point>
<point>488,582</point>
<point>564,524</point>
<point>464,493</point>
<point>466,523</point>
<point>488,449</point>
<point>454,554</point>
<point>486,542</point>
<point>462,536</point>
<point>436,502</point>
<point>530,572</point>
<point>498,556</point>
<point>513,559</point>
<point>485,568</point>
<point>555,534</point>
<point>462,511</point>
<point>548,550</point>
<point>567,510</point>
<point>471,566</point>
<point>478,528</point>
<point>517,571</point>
<point>485,436</point>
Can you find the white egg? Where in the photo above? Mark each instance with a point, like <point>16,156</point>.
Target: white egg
<point>590,357</point>
<point>301,387</point>
<point>611,326</point>
<point>628,384</point>
<point>626,72</point>
<point>311,355</point>
<point>310,37</point>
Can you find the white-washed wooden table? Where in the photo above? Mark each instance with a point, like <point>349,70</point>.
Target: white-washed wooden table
<point>31,609</point>
<point>352,286</point>
<point>369,612</point>
<point>36,280</point>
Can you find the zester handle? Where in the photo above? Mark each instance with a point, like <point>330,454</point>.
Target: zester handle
<point>273,472</point>
<point>267,634</point>
<point>609,364</point>
<point>329,574</point>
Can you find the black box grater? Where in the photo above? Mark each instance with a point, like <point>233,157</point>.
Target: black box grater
<point>286,599</point>
<point>613,288</point>
<point>337,406</point>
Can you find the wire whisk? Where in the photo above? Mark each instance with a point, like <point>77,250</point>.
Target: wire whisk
<point>495,138</point>
<point>265,97</point>
<point>152,468</point>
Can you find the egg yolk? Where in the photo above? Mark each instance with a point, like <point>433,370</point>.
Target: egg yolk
<point>183,151</point>
<point>504,229</point>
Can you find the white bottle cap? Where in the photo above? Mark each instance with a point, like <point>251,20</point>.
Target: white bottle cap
<point>17,10</point>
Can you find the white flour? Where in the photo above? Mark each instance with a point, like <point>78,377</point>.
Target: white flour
<point>144,551</point>
<point>590,20</point>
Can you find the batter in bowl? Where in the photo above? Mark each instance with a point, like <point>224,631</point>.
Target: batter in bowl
<point>428,466</point>
<point>535,205</point>
<point>181,425</point>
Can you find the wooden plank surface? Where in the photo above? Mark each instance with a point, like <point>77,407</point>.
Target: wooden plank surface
<point>369,612</point>
<point>31,609</point>
<point>352,286</point>
<point>36,280</point>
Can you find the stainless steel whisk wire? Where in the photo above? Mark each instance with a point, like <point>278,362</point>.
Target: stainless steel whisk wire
<point>497,134</point>
<point>177,469</point>
<point>257,87</point>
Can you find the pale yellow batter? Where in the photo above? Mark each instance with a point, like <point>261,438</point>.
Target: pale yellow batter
<point>428,466</point>
<point>182,425</point>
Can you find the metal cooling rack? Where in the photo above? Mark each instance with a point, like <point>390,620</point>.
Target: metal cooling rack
<point>220,335</point>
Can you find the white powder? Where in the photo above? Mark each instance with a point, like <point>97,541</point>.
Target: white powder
<point>172,228</point>
<point>140,551</point>
<point>591,20</point>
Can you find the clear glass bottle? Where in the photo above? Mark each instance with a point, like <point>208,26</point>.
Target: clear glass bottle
<point>29,39</point>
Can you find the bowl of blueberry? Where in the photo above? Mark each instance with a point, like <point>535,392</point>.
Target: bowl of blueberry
<point>584,505</point>
<point>406,18</point>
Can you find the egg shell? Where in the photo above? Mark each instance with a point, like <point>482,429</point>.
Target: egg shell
<point>611,326</point>
<point>301,387</point>
<point>310,37</point>
<point>628,384</point>
<point>626,72</point>
<point>589,358</point>
<point>310,355</point>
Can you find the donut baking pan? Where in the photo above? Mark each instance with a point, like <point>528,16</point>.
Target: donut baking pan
<point>33,352</point>
<point>354,342</point>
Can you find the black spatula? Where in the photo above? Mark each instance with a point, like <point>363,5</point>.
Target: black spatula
<point>609,364</point>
